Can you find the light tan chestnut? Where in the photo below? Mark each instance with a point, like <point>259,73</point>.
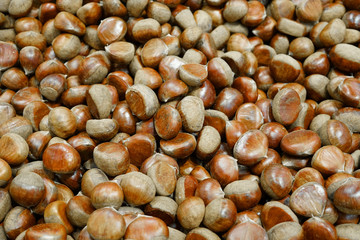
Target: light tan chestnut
<point>98,98</point>
<point>192,114</point>
<point>102,129</point>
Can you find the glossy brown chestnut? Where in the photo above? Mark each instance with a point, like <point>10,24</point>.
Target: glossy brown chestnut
<point>61,158</point>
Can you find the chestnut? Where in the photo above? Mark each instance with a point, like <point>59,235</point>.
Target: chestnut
<point>106,223</point>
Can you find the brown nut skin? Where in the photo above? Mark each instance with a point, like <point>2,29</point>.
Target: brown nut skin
<point>328,160</point>
<point>217,120</point>
<point>78,210</point>
<point>317,63</point>
<point>92,70</point>
<point>167,122</point>
<point>315,197</point>
<point>247,230</point>
<point>294,163</point>
<point>300,143</point>
<point>200,173</point>
<point>138,188</point>
<point>25,96</point>
<point>164,177</point>
<point>5,172</point>
<point>349,116</point>
<point>112,158</point>
<point>146,29</point>
<point>346,191</point>
<point>27,189</point>
<point>185,187</point>
<point>315,227</point>
<point>247,87</point>
<point>228,101</point>
<point>274,132</point>
<point>244,193</point>
<point>286,230</point>
<point>201,232</point>
<point>333,33</point>
<point>220,73</point>
<point>50,195</point>
<point>67,22</point>
<point>251,115</point>
<point>169,67</point>
<point>34,112</point>
<point>107,194</point>
<point>30,38</point>
<point>106,223</point>
<point>18,125</point>
<point>83,144</point>
<point>55,212</point>
<point>284,68</point>
<point>208,189</point>
<point>208,142</point>
<point>273,157</point>
<point>10,50</point>
<point>90,13</point>
<point>61,158</point>
<point>255,15</point>
<point>286,106</point>
<point>171,90</point>
<point>64,128</point>
<point>190,212</point>
<point>149,77</point>
<point>264,104</point>
<point>224,169</point>
<point>7,111</point>
<point>121,81</point>
<point>126,121</point>
<point>182,146</point>
<point>163,208</point>
<point>142,101</point>
<point>90,179</point>
<point>159,157</point>
<point>14,148</point>
<point>220,215</point>
<point>140,146</point>
<point>246,216</point>
<point>46,231</point>
<point>233,131</point>
<point>18,220</point>
<point>153,52</point>
<point>276,181</point>
<point>64,192</point>
<point>344,218</point>
<point>251,147</point>
<point>306,175</point>
<point>274,213</point>
<point>339,57</point>
<point>350,18</point>
<point>14,79</point>
<point>147,227</point>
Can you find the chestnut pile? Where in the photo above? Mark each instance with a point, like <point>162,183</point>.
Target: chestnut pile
<point>179,119</point>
